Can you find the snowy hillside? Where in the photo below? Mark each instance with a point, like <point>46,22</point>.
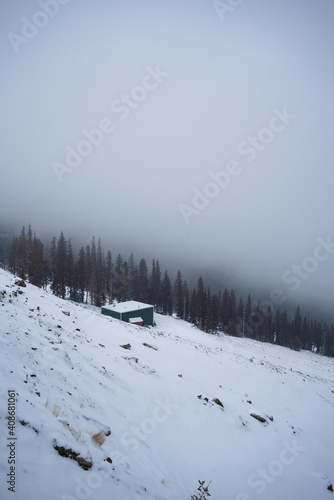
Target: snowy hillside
<point>167,414</point>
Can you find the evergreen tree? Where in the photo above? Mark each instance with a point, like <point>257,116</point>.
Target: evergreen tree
<point>88,270</point>
<point>109,277</point>
<point>92,280</point>
<point>297,329</point>
<point>214,313</point>
<point>166,295</point>
<point>226,308</point>
<point>305,338</point>
<point>143,283</point>
<point>80,275</point>
<point>178,293</point>
<point>13,259</point>
<point>208,319</point>
<point>240,311</point>
<point>100,278</point>
<point>118,285</point>
<point>52,263</point>
<point>135,283</point>
<point>186,300</point>
<point>193,308</point>
<point>125,281</point>
<point>248,315</point>
<point>70,272</point>
<point>59,285</point>
<point>201,304</point>
<point>22,264</point>
<point>131,277</point>
<point>269,333</point>
<point>37,263</point>
<point>233,307</point>
<point>29,253</point>
<point>156,286</point>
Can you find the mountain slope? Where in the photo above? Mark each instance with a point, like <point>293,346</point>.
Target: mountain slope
<point>156,407</point>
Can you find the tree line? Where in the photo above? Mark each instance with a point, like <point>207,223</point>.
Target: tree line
<point>93,276</point>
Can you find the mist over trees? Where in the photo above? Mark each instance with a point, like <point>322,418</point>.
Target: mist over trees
<point>94,276</point>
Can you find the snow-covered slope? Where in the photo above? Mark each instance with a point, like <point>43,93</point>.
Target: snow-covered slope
<point>154,406</point>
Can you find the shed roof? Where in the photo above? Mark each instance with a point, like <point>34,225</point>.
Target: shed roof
<point>136,320</point>
<point>130,305</point>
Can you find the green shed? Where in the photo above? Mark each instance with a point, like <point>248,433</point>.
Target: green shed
<point>131,309</point>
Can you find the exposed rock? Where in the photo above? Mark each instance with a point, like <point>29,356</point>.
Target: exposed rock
<point>126,346</point>
<point>218,402</point>
<point>150,346</point>
<point>20,283</point>
<point>68,453</point>
<point>257,417</point>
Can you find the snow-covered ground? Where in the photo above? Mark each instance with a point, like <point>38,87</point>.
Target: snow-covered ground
<point>155,407</point>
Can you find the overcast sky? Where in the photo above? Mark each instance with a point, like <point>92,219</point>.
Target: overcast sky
<point>216,130</point>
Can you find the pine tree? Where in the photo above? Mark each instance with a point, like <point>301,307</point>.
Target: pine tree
<point>208,322</point>
<point>80,274</point>
<point>155,286</point>
<point>135,283</point>
<point>59,285</point>
<point>248,315</point>
<point>22,254</point>
<point>214,313</point>
<point>100,278</point>
<point>166,295</point>
<point>29,253</point>
<point>143,283</point>
<point>52,263</point>
<point>178,293</point>
<point>193,308</point>
<point>297,329</point>
<point>268,326</point>
<point>201,303</point>
<point>240,311</point>
<point>125,281</point>
<point>109,277</point>
<point>13,259</point>
<point>88,271</point>
<point>131,276</point>
<point>233,307</point>
<point>37,263</point>
<point>305,334</point>
<point>186,300</point>
<point>70,272</point>
<point>92,281</point>
<point>226,308</point>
